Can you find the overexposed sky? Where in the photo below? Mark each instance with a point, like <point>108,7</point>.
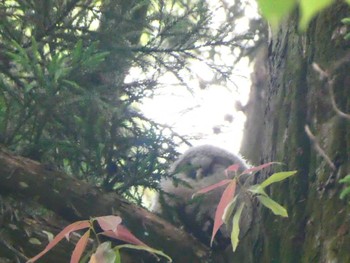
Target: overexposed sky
<point>199,113</point>
<point>207,114</point>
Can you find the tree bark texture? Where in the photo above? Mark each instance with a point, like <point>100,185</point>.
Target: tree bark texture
<point>295,97</point>
<point>30,183</point>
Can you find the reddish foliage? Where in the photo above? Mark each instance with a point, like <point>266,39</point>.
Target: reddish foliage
<point>125,235</point>
<point>226,198</point>
<point>258,168</point>
<point>80,247</point>
<point>232,168</point>
<point>109,223</point>
<point>213,186</point>
<point>64,233</point>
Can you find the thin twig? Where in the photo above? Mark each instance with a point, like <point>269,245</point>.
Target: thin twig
<point>330,83</point>
<point>16,252</point>
<point>318,147</point>
<point>334,104</point>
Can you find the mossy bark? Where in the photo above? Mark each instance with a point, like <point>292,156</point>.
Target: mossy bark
<point>317,229</point>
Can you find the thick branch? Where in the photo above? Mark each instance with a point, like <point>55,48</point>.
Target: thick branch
<point>74,200</point>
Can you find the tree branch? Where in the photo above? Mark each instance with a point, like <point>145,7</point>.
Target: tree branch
<point>75,200</point>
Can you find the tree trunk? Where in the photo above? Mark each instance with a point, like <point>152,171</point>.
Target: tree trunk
<point>294,98</point>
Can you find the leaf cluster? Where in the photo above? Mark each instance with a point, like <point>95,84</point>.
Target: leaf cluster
<point>229,209</point>
<point>110,227</point>
<point>275,11</point>
<point>346,21</point>
<point>346,191</point>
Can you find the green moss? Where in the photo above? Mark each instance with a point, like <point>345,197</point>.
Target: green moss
<point>315,230</point>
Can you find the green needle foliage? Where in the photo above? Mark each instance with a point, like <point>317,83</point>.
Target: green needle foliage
<point>346,191</point>
<point>65,99</point>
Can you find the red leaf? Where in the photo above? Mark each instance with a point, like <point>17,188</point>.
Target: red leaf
<point>109,222</point>
<point>212,187</point>
<point>231,168</point>
<point>80,247</point>
<point>125,235</point>
<point>258,168</point>
<point>64,233</point>
<point>226,198</point>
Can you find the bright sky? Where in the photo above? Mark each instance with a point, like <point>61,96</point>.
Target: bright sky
<point>199,113</point>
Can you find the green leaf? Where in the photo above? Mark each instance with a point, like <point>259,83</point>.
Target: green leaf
<point>348,1</point>
<point>34,241</point>
<point>229,210</point>
<point>277,177</point>
<point>344,193</point>
<point>58,68</point>
<point>346,20</point>
<point>94,60</point>
<point>117,257</point>
<point>144,248</point>
<point>35,62</point>
<point>20,56</point>
<point>274,11</point>
<point>309,8</point>
<point>73,85</point>
<point>29,87</point>
<point>345,180</point>
<point>35,50</point>
<point>235,227</point>
<point>77,52</point>
<point>276,208</point>
<point>257,189</point>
